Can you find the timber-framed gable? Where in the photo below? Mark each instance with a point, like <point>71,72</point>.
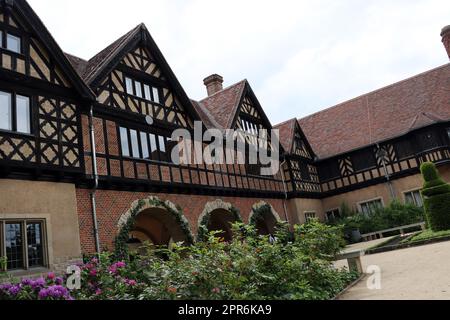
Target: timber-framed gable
<point>42,98</point>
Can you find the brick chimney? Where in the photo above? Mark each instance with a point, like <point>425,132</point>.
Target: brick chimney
<point>213,83</point>
<point>445,34</point>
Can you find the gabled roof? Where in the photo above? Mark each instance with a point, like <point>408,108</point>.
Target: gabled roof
<point>287,136</point>
<point>22,8</point>
<point>381,115</point>
<point>79,64</point>
<point>223,105</point>
<point>206,117</point>
<point>100,61</point>
<point>287,130</point>
<point>100,65</point>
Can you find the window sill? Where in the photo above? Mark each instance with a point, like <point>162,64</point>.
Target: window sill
<point>129,95</point>
<point>17,134</point>
<point>36,272</point>
<point>149,161</point>
<point>14,53</point>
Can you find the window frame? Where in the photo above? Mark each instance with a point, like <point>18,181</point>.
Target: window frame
<point>142,85</point>
<point>412,191</point>
<point>24,224</point>
<point>13,109</point>
<point>4,33</point>
<point>361,203</point>
<point>332,211</point>
<point>5,44</point>
<point>157,139</point>
<point>308,216</point>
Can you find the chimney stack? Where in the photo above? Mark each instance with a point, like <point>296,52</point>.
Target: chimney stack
<point>445,34</point>
<point>214,84</point>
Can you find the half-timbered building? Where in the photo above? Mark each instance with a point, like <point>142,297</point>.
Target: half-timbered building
<point>86,144</point>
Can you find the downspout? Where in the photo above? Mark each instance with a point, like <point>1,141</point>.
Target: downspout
<point>95,173</point>
<point>285,193</point>
<point>387,176</point>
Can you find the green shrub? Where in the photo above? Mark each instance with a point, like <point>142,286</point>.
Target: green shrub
<point>396,214</point>
<point>436,195</point>
<point>296,266</point>
<point>319,240</point>
<point>3,263</point>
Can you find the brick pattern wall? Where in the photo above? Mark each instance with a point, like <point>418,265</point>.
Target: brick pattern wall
<point>111,205</point>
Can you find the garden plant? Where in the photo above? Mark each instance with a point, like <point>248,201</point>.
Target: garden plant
<point>436,195</point>
<point>297,265</point>
<point>396,214</point>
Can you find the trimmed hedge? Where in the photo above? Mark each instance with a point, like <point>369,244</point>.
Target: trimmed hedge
<point>436,196</point>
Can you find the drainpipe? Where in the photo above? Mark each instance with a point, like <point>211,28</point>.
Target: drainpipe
<point>382,155</point>
<point>95,173</point>
<point>285,193</point>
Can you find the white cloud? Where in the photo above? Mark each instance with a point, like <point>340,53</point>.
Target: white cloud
<point>300,56</point>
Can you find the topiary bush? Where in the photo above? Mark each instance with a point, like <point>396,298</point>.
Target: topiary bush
<point>436,197</point>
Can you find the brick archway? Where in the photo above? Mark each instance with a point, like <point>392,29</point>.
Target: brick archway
<point>162,221</point>
<point>218,216</point>
<point>264,217</point>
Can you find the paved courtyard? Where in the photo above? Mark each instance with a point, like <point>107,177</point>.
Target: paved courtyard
<point>408,274</point>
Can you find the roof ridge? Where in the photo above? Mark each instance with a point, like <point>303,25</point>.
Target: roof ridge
<point>224,89</point>
<point>236,106</point>
<point>115,45</point>
<point>74,56</point>
<point>284,122</point>
<point>376,90</point>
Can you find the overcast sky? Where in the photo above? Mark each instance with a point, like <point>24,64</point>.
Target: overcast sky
<point>299,56</point>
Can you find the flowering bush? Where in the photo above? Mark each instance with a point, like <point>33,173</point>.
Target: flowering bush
<point>108,280</point>
<point>296,266</point>
<point>49,288</point>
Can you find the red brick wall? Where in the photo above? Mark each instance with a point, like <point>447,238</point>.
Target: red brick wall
<point>111,205</point>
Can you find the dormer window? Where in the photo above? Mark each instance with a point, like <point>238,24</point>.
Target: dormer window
<point>142,90</point>
<point>11,42</point>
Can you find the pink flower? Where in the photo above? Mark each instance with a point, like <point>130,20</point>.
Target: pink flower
<point>112,269</point>
<point>172,290</point>
<point>93,272</point>
<point>118,265</point>
<point>51,276</point>
<point>132,283</point>
<point>216,290</point>
<point>98,292</point>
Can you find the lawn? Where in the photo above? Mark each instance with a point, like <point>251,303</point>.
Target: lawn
<point>428,235</point>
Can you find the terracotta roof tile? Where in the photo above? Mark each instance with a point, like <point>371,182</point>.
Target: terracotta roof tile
<point>205,115</point>
<point>223,105</point>
<point>101,58</point>
<point>380,115</point>
<point>78,64</point>
<point>287,130</point>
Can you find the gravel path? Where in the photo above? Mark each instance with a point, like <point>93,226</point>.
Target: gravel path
<point>408,274</point>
